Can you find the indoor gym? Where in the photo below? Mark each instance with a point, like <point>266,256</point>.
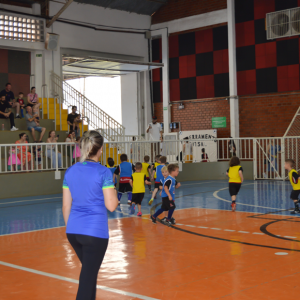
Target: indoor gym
<point>220,79</point>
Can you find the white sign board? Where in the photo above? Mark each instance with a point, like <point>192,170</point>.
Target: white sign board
<point>195,149</point>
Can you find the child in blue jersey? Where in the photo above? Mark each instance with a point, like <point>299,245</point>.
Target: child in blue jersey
<point>165,174</point>
<point>168,195</point>
<point>125,170</point>
<point>159,177</point>
<point>111,165</point>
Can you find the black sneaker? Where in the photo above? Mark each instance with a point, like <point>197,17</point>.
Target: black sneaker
<point>153,219</point>
<point>164,219</point>
<point>168,222</point>
<point>18,117</point>
<point>295,211</point>
<point>173,222</point>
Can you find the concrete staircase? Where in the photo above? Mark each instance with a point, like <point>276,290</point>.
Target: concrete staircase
<point>54,109</point>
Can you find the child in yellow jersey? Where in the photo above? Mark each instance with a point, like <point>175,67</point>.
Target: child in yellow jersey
<point>295,182</point>
<point>236,178</point>
<point>146,169</point>
<point>138,181</point>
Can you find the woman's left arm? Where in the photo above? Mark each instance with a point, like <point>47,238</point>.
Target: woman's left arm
<point>67,204</point>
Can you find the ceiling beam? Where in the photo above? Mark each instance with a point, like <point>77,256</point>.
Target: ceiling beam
<point>54,18</point>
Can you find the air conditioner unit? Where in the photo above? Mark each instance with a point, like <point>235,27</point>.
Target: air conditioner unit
<point>51,41</point>
<point>295,21</point>
<point>278,24</point>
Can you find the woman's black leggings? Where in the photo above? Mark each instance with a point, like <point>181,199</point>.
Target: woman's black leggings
<point>90,251</point>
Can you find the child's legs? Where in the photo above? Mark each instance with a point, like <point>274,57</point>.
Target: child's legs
<point>234,190</point>
<point>295,198</point>
<point>154,192</point>
<point>139,207</point>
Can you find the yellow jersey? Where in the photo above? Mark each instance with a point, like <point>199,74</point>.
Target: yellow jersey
<point>233,174</point>
<point>145,169</point>
<point>294,180</point>
<point>155,166</point>
<point>138,182</point>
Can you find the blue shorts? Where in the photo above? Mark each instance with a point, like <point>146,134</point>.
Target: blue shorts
<point>36,128</point>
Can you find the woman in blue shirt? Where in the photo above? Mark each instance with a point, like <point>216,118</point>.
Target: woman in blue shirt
<point>88,190</point>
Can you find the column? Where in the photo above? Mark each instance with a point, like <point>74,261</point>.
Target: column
<point>234,101</point>
<point>163,33</point>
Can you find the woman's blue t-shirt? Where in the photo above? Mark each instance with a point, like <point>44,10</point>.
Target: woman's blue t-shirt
<point>86,182</point>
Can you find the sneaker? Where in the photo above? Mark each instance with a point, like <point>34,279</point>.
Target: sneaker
<point>18,117</point>
<point>139,214</point>
<point>164,219</point>
<point>153,219</point>
<point>14,128</point>
<point>233,206</point>
<point>150,202</point>
<point>168,222</point>
<point>132,209</point>
<point>295,211</point>
<point>129,202</point>
<point>173,222</point>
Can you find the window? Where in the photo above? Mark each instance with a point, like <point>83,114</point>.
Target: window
<point>21,29</point>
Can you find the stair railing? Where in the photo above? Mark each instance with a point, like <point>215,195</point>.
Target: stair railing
<point>96,116</point>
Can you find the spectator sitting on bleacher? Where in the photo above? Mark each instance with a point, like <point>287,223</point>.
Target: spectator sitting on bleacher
<point>5,115</point>
<point>20,100</point>
<point>10,99</point>
<point>33,101</point>
<point>51,154</point>
<point>71,138</point>
<point>33,124</point>
<point>23,154</point>
<point>74,120</point>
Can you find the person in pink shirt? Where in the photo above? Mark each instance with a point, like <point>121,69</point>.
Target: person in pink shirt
<point>76,151</point>
<point>33,101</point>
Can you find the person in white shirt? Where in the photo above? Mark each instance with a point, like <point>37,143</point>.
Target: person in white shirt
<point>155,134</point>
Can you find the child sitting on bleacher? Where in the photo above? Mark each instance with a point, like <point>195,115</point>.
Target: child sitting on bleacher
<point>22,103</point>
<point>13,160</point>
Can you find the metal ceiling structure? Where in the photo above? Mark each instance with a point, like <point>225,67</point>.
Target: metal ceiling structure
<point>75,67</point>
<point>143,7</point>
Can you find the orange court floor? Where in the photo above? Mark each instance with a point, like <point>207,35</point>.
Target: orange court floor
<point>211,253</point>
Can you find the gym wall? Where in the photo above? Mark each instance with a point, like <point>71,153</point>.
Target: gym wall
<point>177,9</point>
<point>267,73</point>
<point>15,67</point>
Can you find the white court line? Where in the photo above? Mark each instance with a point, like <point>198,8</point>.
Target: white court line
<point>30,200</point>
<point>290,237</point>
<point>183,185</point>
<point>101,287</point>
<point>229,230</point>
<point>215,194</point>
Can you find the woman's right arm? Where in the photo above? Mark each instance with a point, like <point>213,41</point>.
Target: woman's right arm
<point>110,199</point>
<point>67,204</point>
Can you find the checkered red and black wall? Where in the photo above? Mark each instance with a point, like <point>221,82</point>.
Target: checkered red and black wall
<point>264,66</point>
<point>15,67</point>
<point>198,65</point>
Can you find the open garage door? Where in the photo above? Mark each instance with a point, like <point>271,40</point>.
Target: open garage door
<point>96,66</point>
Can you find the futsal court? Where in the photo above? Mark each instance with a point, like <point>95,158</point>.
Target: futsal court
<point>211,253</point>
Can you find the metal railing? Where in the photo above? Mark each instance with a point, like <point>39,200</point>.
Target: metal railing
<point>97,117</point>
<point>33,157</point>
<point>267,154</point>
